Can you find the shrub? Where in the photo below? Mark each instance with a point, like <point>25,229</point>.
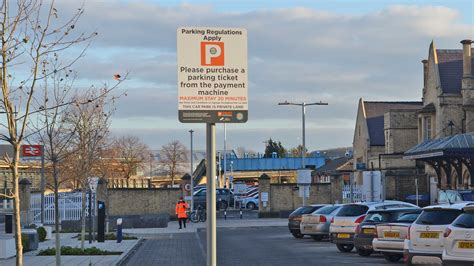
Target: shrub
<point>73,251</point>
<point>41,233</point>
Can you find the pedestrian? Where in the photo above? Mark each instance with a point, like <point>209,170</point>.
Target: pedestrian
<point>181,212</point>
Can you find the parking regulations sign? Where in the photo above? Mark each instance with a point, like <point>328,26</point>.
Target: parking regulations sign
<point>212,75</point>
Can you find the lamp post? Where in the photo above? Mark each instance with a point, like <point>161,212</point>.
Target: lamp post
<point>191,171</point>
<point>303,148</point>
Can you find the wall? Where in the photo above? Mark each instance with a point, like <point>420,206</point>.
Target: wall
<point>142,201</point>
<point>400,184</point>
<point>285,197</point>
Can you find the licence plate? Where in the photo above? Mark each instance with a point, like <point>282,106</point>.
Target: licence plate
<point>369,231</point>
<point>343,236</point>
<point>391,234</point>
<point>429,235</point>
<point>465,244</point>
<point>308,228</point>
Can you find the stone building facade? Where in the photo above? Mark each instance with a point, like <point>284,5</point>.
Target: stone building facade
<point>448,104</point>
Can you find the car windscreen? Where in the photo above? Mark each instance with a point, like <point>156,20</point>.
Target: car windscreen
<point>408,217</point>
<point>326,209</point>
<point>468,196</point>
<point>352,210</point>
<point>465,220</point>
<point>437,217</point>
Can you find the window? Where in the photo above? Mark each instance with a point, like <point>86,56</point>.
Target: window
<point>352,210</point>
<point>465,220</point>
<point>408,217</point>
<point>427,128</point>
<point>437,217</point>
<point>327,209</point>
<point>378,217</point>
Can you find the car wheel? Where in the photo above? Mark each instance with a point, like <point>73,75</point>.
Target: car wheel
<point>251,206</point>
<point>297,235</point>
<point>344,248</point>
<point>317,237</point>
<point>392,257</point>
<point>364,252</point>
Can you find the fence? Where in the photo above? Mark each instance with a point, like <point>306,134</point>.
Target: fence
<point>128,183</point>
<point>70,207</point>
<point>356,192</point>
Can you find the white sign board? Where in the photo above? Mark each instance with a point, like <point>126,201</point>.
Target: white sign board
<point>304,176</point>
<point>264,196</point>
<point>212,75</point>
<point>371,186</point>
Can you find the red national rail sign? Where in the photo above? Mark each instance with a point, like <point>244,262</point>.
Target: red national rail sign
<point>31,150</point>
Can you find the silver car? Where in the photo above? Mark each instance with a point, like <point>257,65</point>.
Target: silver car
<point>317,224</point>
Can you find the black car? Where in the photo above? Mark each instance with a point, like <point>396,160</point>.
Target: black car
<point>294,219</point>
<point>366,231</point>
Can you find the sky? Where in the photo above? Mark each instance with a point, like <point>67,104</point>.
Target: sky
<point>331,51</point>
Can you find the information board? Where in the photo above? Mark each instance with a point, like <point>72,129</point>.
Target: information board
<point>212,75</point>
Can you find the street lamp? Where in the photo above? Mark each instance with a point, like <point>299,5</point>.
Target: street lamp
<point>191,171</point>
<point>303,149</point>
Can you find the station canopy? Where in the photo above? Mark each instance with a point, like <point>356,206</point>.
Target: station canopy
<point>447,154</point>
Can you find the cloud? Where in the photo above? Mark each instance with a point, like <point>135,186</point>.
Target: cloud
<point>295,54</point>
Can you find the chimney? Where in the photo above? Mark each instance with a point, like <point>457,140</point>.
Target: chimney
<point>466,58</point>
<point>425,72</point>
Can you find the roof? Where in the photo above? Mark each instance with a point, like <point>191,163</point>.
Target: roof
<point>456,206</point>
<point>437,147</point>
<point>450,69</point>
<point>374,115</point>
<point>331,165</point>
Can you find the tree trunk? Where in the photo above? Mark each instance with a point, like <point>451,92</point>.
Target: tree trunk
<point>56,214</point>
<point>83,218</point>
<point>16,206</point>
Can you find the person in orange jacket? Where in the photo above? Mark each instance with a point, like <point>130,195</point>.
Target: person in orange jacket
<point>181,212</point>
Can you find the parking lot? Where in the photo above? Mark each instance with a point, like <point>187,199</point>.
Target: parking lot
<point>246,246</point>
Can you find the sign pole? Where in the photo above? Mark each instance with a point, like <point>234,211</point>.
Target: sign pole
<point>43,185</point>
<point>211,193</point>
<point>191,172</point>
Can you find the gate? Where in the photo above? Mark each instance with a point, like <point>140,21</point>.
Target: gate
<point>70,206</point>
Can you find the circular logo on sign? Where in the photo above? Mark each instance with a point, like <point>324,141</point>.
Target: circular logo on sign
<point>187,187</point>
<point>213,50</point>
<point>239,116</point>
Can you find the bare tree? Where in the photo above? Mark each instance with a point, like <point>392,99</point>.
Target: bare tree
<point>30,31</point>
<point>242,152</point>
<point>172,156</point>
<point>55,134</point>
<point>91,122</point>
<point>132,153</point>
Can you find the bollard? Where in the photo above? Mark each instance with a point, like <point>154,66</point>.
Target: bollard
<point>225,215</point>
<point>240,212</point>
<point>119,230</point>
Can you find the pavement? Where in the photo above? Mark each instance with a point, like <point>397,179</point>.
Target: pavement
<point>67,239</point>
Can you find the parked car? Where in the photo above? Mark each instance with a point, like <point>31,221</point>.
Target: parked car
<point>294,219</point>
<point>250,203</point>
<point>344,223</point>
<point>366,231</point>
<point>317,224</point>
<point>454,196</point>
<point>425,235</point>
<point>390,237</point>
<point>223,198</point>
<point>459,239</point>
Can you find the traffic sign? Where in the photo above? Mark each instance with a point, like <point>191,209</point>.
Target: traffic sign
<point>212,75</point>
<point>187,187</point>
